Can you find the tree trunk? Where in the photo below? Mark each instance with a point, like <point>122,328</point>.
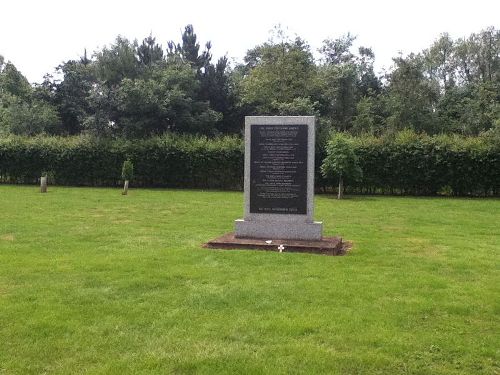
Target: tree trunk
<point>43,184</point>
<point>125,188</point>
<point>341,188</point>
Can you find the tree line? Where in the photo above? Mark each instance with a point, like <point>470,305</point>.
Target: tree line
<point>138,90</point>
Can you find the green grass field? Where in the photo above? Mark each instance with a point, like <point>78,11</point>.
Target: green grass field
<point>95,282</point>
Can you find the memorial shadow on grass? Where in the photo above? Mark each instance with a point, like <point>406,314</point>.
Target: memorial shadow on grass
<point>93,281</point>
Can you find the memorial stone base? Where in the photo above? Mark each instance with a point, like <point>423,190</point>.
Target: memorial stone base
<point>274,229</point>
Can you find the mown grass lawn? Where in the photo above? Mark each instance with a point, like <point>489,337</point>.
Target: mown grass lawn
<point>95,282</point>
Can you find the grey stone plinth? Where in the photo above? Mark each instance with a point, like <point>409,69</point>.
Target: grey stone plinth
<point>278,229</point>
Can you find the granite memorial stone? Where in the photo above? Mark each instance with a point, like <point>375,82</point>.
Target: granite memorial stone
<point>279,179</point>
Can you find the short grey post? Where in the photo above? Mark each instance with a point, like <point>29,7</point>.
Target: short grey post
<point>43,184</point>
<point>279,179</point>
<point>125,188</point>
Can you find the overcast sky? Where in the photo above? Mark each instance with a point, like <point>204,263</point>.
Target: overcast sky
<point>38,35</point>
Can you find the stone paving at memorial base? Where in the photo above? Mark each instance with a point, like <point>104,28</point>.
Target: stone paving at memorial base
<point>325,246</point>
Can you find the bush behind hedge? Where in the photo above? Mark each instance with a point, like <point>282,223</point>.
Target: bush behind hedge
<point>402,164</point>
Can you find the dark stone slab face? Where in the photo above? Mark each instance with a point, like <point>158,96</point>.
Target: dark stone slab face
<point>278,169</point>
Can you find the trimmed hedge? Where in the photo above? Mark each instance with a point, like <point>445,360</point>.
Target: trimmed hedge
<point>168,161</point>
<point>404,164</point>
<point>411,164</point>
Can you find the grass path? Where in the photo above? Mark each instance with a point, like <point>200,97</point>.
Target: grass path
<point>95,282</point>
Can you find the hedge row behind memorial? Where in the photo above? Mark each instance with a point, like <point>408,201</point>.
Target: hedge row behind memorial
<point>168,161</point>
<point>412,164</point>
<point>403,164</point>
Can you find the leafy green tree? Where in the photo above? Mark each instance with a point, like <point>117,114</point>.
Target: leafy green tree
<point>477,58</point>
<point>297,107</point>
<point>345,78</point>
<point>23,110</point>
<point>279,72</point>
<point>468,72</point>
<point>338,51</point>
<point>166,101</point>
<point>117,62</point>
<point>368,82</point>
<point>73,91</point>
<point>341,161</point>
<point>370,116</point>
<point>487,54</point>
<point>112,65</point>
<point>98,122</point>
<point>30,117</point>
<point>13,82</point>
<point>439,61</point>
<point>339,93</point>
<point>412,97</point>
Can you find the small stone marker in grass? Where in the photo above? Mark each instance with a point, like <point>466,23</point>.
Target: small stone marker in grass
<point>43,183</point>
<point>279,189</point>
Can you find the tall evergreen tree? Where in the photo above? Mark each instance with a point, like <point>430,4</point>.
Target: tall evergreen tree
<point>189,50</point>
<point>214,83</point>
<point>150,52</point>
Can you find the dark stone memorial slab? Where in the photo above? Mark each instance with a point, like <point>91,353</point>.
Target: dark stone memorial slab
<point>278,169</point>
